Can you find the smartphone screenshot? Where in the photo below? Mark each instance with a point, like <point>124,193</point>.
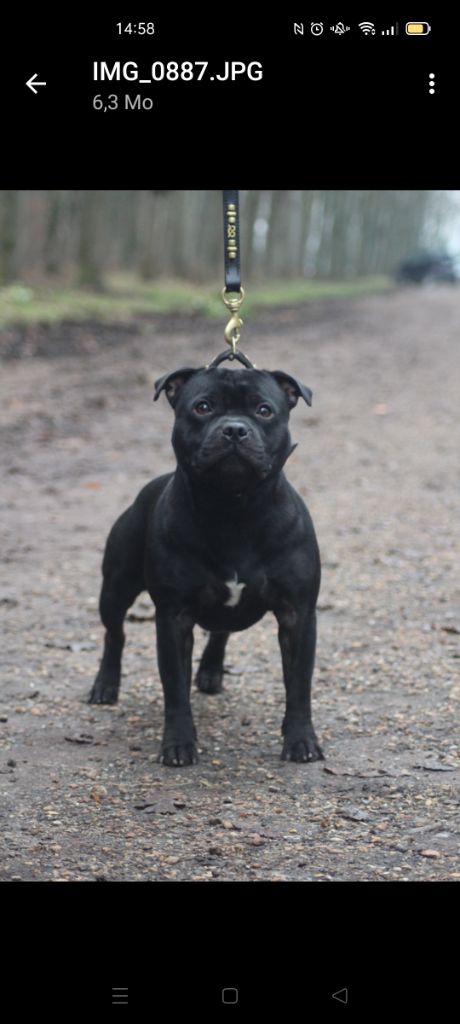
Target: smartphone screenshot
<point>229,755</point>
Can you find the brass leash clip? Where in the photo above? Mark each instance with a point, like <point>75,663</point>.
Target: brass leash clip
<point>232,330</point>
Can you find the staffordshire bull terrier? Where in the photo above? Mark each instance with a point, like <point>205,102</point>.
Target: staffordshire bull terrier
<point>219,542</point>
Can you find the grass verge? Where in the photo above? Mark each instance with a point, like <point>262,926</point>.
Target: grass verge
<point>127,298</point>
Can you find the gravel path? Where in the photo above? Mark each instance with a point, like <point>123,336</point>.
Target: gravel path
<point>82,796</point>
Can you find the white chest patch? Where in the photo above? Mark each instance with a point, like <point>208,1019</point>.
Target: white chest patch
<point>236,590</point>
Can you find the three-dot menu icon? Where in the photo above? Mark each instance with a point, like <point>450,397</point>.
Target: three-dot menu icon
<point>431,83</point>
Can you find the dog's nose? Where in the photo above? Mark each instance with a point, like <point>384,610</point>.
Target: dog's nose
<point>235,431</point>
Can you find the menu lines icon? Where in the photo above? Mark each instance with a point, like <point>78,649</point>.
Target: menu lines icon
<point>119,997</point>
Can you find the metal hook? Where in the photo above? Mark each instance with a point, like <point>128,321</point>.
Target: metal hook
<point>232,330</point>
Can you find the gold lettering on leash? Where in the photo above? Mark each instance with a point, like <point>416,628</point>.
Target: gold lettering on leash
<point>232,247</point>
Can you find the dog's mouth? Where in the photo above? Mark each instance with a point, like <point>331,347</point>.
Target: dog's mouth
<point>232,459</point>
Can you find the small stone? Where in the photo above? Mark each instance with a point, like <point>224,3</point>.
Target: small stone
<point>256,840</point>
<point>97,793</point>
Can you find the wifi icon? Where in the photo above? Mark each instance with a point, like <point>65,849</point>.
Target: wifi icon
<point>367,27</point>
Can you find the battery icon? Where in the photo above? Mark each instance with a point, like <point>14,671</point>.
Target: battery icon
<point>417,28</point>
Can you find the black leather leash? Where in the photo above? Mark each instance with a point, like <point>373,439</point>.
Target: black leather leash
<point>232,261</point>
<point>233,293</point>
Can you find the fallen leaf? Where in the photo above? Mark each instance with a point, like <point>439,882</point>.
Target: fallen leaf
<point>82,737</point>
<point>354,814</point>
<point>165,806</point>
<point>358,774</point>
<point>436,766</point>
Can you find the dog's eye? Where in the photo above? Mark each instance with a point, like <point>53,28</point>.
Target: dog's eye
<point>264,410</point>
<point>202,408</point>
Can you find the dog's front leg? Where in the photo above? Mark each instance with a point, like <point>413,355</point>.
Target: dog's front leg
<point>297,638</point>
<point>174,645</point>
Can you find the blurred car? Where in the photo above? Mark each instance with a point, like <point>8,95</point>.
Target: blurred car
<point>424,267</point>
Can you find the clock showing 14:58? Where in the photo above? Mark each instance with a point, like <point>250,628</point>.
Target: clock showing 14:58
<point>139,28</point>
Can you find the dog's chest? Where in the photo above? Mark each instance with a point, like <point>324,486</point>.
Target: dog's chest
<point>236,588</point>
<point>241,605</point>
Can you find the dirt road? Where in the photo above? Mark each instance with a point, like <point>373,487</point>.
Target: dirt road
<point>82,796</point>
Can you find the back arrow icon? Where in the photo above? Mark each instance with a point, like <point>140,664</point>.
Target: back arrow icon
<point>32,83</point>
<point>341,996</point>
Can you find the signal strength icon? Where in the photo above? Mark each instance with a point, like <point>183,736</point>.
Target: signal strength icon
<point>367,27</point>
<point>392,31</point>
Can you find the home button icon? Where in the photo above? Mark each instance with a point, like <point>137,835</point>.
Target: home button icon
<point>230,995</point>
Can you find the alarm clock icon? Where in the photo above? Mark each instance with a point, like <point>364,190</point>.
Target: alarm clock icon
<point>317,28</point>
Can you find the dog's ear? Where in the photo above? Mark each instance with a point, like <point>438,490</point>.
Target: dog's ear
<point>292,388</point>
<point>173,383</point>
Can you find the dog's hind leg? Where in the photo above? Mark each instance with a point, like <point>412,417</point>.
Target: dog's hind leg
<point>114,604</point>
<point>211,668</point>
<point>123,581</point>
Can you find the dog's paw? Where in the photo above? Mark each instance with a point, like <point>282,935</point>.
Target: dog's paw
<point>105,690</point>
<point>301,748</point>
<point>178,755</point>
<point>209,681</point>
<point>178,747</point>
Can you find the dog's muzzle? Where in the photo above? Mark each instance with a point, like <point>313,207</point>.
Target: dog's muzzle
<point>233,438</point>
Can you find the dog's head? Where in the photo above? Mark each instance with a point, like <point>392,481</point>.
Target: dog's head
<point>231,426</point>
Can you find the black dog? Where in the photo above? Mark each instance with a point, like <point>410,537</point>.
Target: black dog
<point>219,542</point>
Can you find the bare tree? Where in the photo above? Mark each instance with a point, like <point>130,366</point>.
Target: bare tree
<point>9,209</point>
<point>89,254</point>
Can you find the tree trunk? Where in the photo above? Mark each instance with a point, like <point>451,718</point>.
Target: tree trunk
<point>155,235</point>
<point>89,262</point>
<point>52,248</point>
<point>9,208</point>
<point>277,234</point>
<point>249,210</point>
